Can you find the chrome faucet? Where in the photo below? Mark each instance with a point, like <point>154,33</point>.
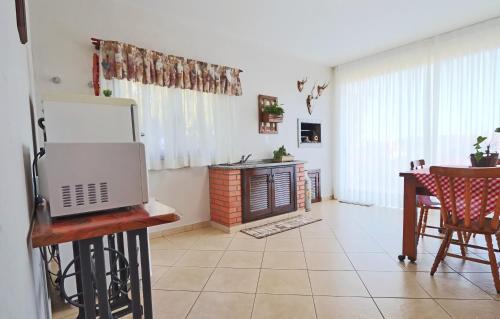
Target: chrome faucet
<point>244,159</point>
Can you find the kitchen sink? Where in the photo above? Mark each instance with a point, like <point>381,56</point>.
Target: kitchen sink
<point>249,163</point>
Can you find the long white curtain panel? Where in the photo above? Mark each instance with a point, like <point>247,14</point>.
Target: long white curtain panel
<point>427,100</point>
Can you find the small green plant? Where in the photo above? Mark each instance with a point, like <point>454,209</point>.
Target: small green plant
<point>107,92</point>
<point>497,130</point>
<point>477,146</point>
<point>280,152</point>
<point>274,109</point>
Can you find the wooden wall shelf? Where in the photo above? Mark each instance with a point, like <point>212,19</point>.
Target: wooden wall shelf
<point>266,127</point>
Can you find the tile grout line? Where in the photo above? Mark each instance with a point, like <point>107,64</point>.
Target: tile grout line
<point>323,295</point>
<point>418,283</point>
<point>208,279</point>
<point>318,270</point>
<point>258,279</point>
<point>454,271</point>
<point>186,251</point>
<point>432,298</point>
<point>476,285</point>
<point>473,283</point>
<point>334,296</point>
<point>357,273</point>
<point>308,274</point>
<point>384,244</point>
<point>443,308</point>
<point>299,295</point>
<point>428,251</point>
<point>385,251</point>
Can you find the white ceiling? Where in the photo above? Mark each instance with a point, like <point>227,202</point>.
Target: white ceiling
<point>329,32</point>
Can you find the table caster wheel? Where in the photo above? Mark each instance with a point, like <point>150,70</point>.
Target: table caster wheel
<point>412,259</point>
<point>401,257</point>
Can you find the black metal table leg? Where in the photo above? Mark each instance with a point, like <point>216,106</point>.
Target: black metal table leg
<point>78,278</point>
<point>90,275</point>
<point>100,279</point>
<point>121,249</point>
<point>146,273</point>
<point>119,275</point>
<point>112,259</point>
<point>134,275</point>
<point>86,279</point>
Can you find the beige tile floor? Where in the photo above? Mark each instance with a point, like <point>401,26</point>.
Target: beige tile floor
<point>342,267</point>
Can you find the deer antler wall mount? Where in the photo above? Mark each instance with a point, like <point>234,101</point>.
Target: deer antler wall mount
<point>300,84</point>
<point>316,92</point>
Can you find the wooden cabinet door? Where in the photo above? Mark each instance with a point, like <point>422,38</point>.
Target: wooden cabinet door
<point>257,193</point>
<point>283,189</point>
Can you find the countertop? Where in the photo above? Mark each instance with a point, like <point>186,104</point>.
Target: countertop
<point>254,164</point>
<point>77,227</point>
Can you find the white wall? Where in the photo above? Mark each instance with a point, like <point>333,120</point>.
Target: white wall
<point>22,280</point>
<point>61,44</point>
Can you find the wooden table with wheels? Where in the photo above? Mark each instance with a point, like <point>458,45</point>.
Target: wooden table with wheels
<point>412,188</point>
<point>87,233</point>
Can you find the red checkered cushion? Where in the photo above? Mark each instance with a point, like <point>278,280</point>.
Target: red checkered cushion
<point>429,201</point>
<point>459,186</point>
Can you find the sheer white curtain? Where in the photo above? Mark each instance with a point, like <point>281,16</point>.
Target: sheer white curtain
<point>427,100</point>
<point>181,127</point>
<point>466,90</point>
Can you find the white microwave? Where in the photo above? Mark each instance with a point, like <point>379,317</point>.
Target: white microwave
<point>78,178</point>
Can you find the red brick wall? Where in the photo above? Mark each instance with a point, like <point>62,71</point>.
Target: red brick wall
<point>301,187</point>
<point>225,196</point>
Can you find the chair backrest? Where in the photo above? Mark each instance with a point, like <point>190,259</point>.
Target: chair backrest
<point>468,194</point>
<point>417,164</point>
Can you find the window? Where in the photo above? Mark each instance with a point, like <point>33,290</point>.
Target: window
<point>427,100</point>
<point>181,127</point>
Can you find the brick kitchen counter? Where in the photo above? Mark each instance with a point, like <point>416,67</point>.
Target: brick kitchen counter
<point>226,190</point>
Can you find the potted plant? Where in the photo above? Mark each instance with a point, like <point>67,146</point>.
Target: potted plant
<point>281,155</point>
<point>495,141</point>
<point>107,92</point>
<point>480,158</point>
<point>273,113</point>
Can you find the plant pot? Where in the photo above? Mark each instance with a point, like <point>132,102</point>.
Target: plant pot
<point>286,158</point>
<point>489,160</point>
<point>272,118</point>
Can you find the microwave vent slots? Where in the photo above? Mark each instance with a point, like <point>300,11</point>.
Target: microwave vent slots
<point>103,189</point>
<point>66,196</point>
<point>92,193</point>
<point>80,197</point>
<point>75,195</point>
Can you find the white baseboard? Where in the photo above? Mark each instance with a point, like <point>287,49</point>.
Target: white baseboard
<point>180,229</point>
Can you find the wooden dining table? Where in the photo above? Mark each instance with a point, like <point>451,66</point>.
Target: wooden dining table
<point>412,187</point>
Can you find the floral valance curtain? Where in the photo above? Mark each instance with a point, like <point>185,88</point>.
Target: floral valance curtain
<point>125,61</point>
